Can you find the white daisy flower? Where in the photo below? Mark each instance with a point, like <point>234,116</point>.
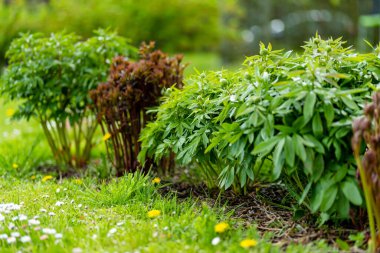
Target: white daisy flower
<point>34,222</point>
<point>49,231</point>
<point>15,234</point>
<point>59,203</point>
<point>25,239</point>
<point>215,241</point>
<point>11,240</point>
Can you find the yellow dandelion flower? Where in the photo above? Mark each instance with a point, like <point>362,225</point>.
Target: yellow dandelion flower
<point>154,213</point>
<point>10,112</point>
<point>46,178</point>
<point>33,177</point>
<point>78,181</point>
<point>106,136</point>
<point>221,227</point>
<point>248,243</point>
<point>156,180</point>
<point>15,166</point>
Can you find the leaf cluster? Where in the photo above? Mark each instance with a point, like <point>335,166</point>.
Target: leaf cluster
<point>121,103</point>
<point>52,75</point>
<point>289,112</point>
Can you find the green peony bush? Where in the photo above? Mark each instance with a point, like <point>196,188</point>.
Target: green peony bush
<point>51,77</point>
<point>284,113</point>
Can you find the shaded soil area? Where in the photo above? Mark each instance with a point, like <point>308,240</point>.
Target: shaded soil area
<point>264,207</point>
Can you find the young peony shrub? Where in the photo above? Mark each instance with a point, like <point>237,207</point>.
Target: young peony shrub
<point>287,113</point>
<point>51,77</point>
<point>121,103</point>
<point>367,129</point>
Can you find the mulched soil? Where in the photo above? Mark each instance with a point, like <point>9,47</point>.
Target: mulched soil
<point>269,217</point>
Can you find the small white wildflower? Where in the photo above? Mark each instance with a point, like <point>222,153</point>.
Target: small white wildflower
<point>58,236</point>
<point>166,228</point>
<point>44,237</point>
<point>215,241</point>
<point>72,201</point>
<point>3,236</point>
<point>94,237</point>
<point>59,203</point>
<point>15,218</point>
<point>11,240</point>
<point>58,190</point>
<point>15,234</point>
<point>64,189</point>
<point>49,231</point>
<point>25,239</point>
<point>80,205</point>
<point>2,218</point>
<point>34,222</point>
<point>11,226</point>
<point>233,98</point>
<point>43,210</point>
<point>111,232</point>
<point>22,217</point>
<point>51,214</point>
<point>120,223</point>
<point>155,234</point>
<point>77,250</point>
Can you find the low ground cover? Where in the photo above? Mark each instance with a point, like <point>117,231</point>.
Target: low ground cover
<point>124,215</point>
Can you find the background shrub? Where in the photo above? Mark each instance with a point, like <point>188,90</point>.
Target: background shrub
<point>292,112</point>
<point>121,103</point>
<point>174,24</point>
<point>51,77</point>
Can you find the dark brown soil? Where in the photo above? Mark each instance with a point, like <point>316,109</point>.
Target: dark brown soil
<point>272,216</point>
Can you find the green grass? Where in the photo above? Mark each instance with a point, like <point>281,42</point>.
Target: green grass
<point>112,217</point>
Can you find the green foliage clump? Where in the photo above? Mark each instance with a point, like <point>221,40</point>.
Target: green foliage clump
<point>121,103</point>
<point>367,128</point>
<point>288,112</point>
<point>51,77</point>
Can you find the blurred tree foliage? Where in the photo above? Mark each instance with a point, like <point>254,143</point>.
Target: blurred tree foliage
<point>175,25</point>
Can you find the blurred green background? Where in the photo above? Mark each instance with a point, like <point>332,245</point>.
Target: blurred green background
<point>211,33</point>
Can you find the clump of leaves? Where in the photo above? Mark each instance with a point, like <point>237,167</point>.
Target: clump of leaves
<point>367,128</point>
<point>121,103</point>
<point>284,113</point>
<point>51,77</point>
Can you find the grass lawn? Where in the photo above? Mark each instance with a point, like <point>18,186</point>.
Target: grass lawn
<point>82,215</point>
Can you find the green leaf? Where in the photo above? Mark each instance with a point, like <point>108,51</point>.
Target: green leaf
<point>351,192</point>
<point>350,103</point>
<point>317,197</point>
<point>278,158</point>
<point>304,193</point>
<point>265,147</point>
<point>299,148</point>
<point>343,205</point>
<point>329,198</point>
<point>308,108</point>
<point>289,151</point>
<point>318,168</point>
<point>317,125</point>
<point>328,111</point>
